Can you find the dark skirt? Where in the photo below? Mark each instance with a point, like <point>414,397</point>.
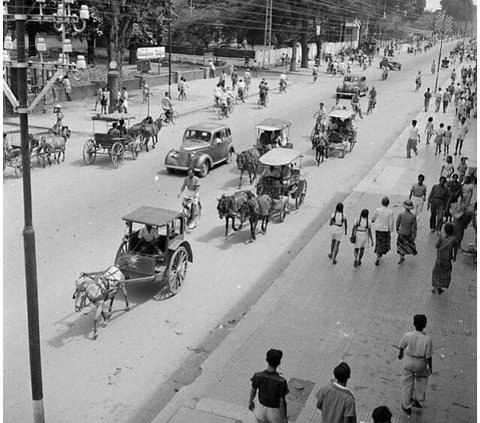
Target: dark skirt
<point>405,245</point>
<point>442,273</point>
<point>382,242</point>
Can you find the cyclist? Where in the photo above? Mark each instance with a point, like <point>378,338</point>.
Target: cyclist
<point>167,107</point>
<point>385,73</point>
<point>192,184</point>
<point>218,94</point>
<point>223,103</point>
<point>247,78</point>
<point>321,116</point>
<point>230,97</point>
<point>372,99</point>
<point>418,81</point>
<point>283,81</point>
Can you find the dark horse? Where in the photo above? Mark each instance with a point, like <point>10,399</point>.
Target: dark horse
<point>256,209</point>
<point>247,161</point>
<point>320,145</point>
<point>229,207</point>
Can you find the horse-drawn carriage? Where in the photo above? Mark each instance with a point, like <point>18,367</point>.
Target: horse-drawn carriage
<point>281,178</point>
<point>340,135</point>
<point>153,249</point>
<point>12,156</point>
<point>272,133</point>
<point>114,143</point>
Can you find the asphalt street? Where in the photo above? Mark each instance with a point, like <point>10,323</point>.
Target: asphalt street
<point>134,367</point>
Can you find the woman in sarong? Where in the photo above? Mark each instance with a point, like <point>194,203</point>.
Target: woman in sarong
<point>447,246</point>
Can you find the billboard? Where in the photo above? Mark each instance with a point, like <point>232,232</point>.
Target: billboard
<point>146,53</point>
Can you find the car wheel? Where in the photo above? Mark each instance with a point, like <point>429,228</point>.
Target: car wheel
<point>204,170</point>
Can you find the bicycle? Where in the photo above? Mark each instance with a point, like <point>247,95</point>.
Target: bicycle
<point>226,111</point>
<point>371,105</point>
<point>173,117</point>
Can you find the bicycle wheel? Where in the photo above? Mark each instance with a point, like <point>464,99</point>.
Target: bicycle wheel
<point>174,117</point>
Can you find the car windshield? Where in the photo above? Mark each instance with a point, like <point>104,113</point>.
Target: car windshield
<point>193,135</point>
<point>351,79</point>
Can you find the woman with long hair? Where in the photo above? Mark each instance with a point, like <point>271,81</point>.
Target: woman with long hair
<point>338,229</point>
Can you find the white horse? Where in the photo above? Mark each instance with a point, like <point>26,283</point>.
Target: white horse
<point>53,143</point>
<point>96,289</point>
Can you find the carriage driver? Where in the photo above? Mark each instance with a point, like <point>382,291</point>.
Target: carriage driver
<point>192,183</point>
<point>57,128</point>
<point>147,235</point>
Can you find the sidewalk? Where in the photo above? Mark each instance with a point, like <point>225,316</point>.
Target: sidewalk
<point>320,314</point>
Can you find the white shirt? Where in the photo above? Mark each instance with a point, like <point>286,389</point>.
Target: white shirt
<point>148,236</point>
<point>383,219</point>
<point>413,133</point>
<point>283,77</point>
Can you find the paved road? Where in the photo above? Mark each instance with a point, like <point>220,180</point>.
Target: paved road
<point>132,369</point>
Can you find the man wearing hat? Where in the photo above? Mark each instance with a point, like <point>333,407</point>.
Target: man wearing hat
<point>57,128</point>
<point>406,226</point>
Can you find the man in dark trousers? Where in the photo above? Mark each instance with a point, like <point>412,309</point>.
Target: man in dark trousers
<point>437,201</point>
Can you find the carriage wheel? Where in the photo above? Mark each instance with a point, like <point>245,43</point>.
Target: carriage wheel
<point>18,168</point>
<point>301,192</point>
<point>177,270</point>
<point>89,152</point>
<point>117,153</point>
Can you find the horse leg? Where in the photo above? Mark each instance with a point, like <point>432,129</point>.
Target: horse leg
<point>240,183</point>
<point>265,224</point>
<point>111,305</point>
<point>99,312</point>
<point>63,154</point>
<point>124,290</point>
<point>226,227</point>
<point>253,228</point>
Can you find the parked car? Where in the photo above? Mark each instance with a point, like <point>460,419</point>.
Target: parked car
<point>204,146</point>
<point>352,84</point>
<point>390,63</point>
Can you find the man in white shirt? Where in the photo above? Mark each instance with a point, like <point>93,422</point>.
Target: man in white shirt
<point>147,235</point>
<point>382,219</point>
<point>283,80</point>
<point>412,139</point>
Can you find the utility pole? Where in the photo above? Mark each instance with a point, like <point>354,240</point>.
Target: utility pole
<point>22,107</point>
<point>268,27</point>
<point>170,48</point>
<point>444,25</point>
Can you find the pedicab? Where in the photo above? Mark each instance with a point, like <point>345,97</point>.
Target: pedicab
<point>282,179</point>
<point>107,144</point>
<point>445,63</point>
<point>272,133</point>
<point>341,134</point>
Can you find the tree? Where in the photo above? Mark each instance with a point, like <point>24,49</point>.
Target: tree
<point>460,10</point>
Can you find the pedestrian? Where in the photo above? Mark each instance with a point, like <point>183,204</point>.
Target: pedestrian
<point>418,195</point>
<point>383,219</point>
<point>222,79</point>
<point>438,99</point>
<point>447,140</point>
<point>412,139</point>
<point>124,101</point>
<point>439,134</point>
<point>416,350</point>
<point>447,247</point>
<point>105,101</point>
<point>437,201</point>
<point>447,97</point>
<point>355,102</point>
<point>467,190</point>
<point>462,132</point>
<point>182,95</point>
<point>455,191</point>
<point>98,98</point>
<point>382,415</point>
<point>255,68</point>
<point>234,77</point>
<point>447,168</point>
<point>462,216</point>
<point>272,390</point>
<point>211,67</point>
<point>361,235</point>
<point>429,129</point>
<point>68,87</point>
<point>462,108</point>
<point>406,226</point>
<point>145,92</point>
<point>462,169</point>
<point>335,400</point>
<point>426,102</point>
<point>338,228</point>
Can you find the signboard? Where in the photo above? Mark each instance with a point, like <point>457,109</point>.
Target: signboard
<point>146,53</point>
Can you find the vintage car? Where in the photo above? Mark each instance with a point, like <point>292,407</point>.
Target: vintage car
<point>352,84</point>
<point>204,146</point>
<point>390,63</point>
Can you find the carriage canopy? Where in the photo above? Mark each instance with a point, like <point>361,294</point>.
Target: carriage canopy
<point>154,216</point>
<point>113,117</point>
<point>280,156</point>
<point>340,114</point>
<point>272,124</point>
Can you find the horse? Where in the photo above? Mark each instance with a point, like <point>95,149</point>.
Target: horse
<point>256,209</point>
<point>150,131</point>
<point>320,145</point>
<point>50,143</point>
<point>97,289</point>
<point>248,161</point>
<point>229,206</point>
